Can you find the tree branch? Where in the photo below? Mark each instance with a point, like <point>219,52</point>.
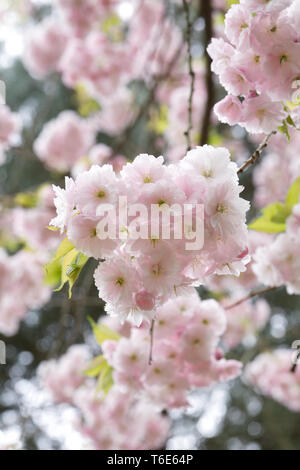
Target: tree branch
<point>206,13</point>
<point>151,340</point>
<point>250,296</point>
<point>255,156</point>
<point>191,73</point>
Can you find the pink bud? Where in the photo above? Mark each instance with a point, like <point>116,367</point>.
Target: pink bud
<point>118,162</point>
<point>244,253</point>
<point>219,354</point>
<point>144,300</point>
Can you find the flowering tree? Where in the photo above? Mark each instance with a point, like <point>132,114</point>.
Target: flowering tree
<point>171,274</point>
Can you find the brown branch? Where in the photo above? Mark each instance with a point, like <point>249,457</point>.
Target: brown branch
<point>206,13</point>
<point>250,296</point>
<point>294,366</point>
<point>191,73</point>
<point>151,331</point>
<point>255,156</point>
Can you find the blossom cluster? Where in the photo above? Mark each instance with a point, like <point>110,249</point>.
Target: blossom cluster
<point>245,320</point>
<point>280,154</point>
<point>120,421</point>
<point>136,274</point>
<point>21,288</point>
<point>64,140</point>
<point>277,263</point>
<point>92,44</point>
<point>271,374</point>
<point>103,53</point>
<point>30,244</point>
<point>258,64</point>
<point>185,356</point>
<point>185,352</point>
<point>28,225</point>
<point>106,422</point>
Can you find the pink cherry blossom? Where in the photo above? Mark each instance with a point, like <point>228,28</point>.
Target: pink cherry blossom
<point>64,140</point>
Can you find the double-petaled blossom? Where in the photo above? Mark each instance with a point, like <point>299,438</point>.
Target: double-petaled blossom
<point>258,63</point>
<point>148,252</point>
<point>270,373</point>
<point>64,140</point>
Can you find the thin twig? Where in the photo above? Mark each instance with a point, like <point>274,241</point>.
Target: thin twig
<point>151,331</point>
<point>255,156</point>
<point>206,13</point>
<point>294,366</point>
<point>250,296</point>
<point>191,73</point>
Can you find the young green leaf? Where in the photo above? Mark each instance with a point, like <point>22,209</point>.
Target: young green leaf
<point>65,266</point>
<point>272,220</point>
<point>293,194</point>
<point>95,366</point>
<point>103,333</point>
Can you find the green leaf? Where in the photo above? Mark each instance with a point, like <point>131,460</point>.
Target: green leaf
<point>158,122</point>
<point>292,104</point>
<point>65,266</point>
<point>232,2</point>
<point>99,367</point>
<point>290,121</point>
<point>272,220</point>
<point>102,332</point>
<point>72,265</point>
<point>293,194</point>
<point>64,247</point>
<point>285,130</point>
<point>105,379</point>
<point>53,273</point>
<point>54,267</point>
<point>86,105</point>
<point>95,366</point>
<point>215,138</point>
<point>26,200</point>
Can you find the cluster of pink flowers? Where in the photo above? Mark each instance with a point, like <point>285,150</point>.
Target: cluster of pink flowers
<point>185,352</point>
<point>100,154</point>
<point>94,45</point>
<point>139,274</point>
<point>63,376</point>
<point>118,421</point>
<point>25,227</point>
<point>245,320</point>
<point>29,225</point>
<point>21,288</point>
<point>258,64</point>
<point>234,286</point>
<point>65,140</point>
<point>9,128</point>
<point>280,154</point>
<point>82,16</point>
<point>271,374</point>
<point>277,263</point>
<point>45,45</point>
<point>185,356</point>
